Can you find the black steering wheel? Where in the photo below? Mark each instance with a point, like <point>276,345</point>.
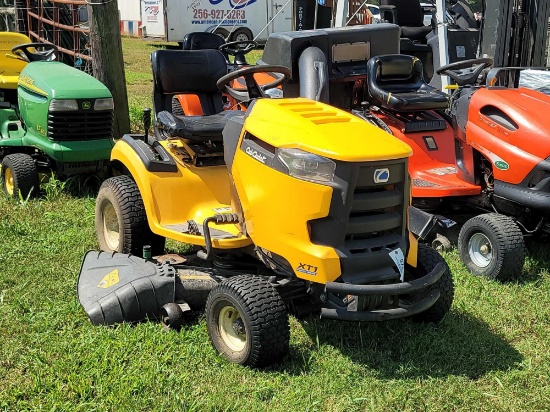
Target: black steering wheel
<point>465,72</point>
<point>46,53</point>
<point>253,90</point>
<point>235,48</point>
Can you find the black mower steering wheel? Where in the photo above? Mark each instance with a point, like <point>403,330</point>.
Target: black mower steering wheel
<point>235,48</point>
<point>23,51</point>
<point>253,90</point>
<point>465,72</point>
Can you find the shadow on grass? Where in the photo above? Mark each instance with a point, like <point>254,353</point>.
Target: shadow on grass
<point>536,262</point>
<point>460,346</point>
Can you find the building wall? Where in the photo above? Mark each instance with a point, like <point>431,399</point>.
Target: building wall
<point>129,10</point>
<point>130,17</point>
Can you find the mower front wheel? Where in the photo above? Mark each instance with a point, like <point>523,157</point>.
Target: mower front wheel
<point>120,219</point>
<point>427,260</point>
<point>20,176</point>
<point>247,321</point>
<point>172,316</point>
<point>492,245</point>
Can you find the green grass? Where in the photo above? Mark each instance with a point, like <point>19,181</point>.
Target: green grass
<point>492,352</point>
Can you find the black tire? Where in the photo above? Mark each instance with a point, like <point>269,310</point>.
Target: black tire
<point>172,317</point>
<point>120,219</point>
<point>427,260</point>
<point>242,34</point>
<point>20,176</point>
<point>502,250</point>
<point>222,33</point>
<point>256,332</point>
<point>441,243</point>
<point>176,107</point>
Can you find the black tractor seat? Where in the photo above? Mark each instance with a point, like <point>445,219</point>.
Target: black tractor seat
<point>395,82</point>
<point>205,128</point>
<point>196,72</point>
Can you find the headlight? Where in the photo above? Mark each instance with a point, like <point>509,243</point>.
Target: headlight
<point>104,104</point>
<point>57,105</point>
<point>307,166</point>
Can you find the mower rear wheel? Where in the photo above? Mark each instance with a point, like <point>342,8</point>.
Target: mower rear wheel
<point>120,219</point>
<point>247,321</point>
<point>20,176</point>
<point>427,260</point>
<point>492,245</point>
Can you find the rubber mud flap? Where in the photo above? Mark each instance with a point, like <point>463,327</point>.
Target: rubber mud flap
<point>420,222</point>
<point>115,287</point>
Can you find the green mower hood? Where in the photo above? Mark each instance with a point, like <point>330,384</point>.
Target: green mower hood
<point>55,80</point>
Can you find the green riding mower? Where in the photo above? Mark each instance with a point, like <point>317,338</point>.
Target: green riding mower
<point>53,118</point>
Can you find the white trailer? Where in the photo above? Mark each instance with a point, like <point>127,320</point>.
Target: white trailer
<point>232,19</point>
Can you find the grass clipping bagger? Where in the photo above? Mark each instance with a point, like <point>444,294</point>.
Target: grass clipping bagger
<point>293,206</point>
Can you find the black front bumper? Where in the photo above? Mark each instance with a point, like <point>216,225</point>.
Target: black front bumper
<point>396,289</point>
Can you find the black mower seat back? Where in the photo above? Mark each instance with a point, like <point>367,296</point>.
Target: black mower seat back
<point>190,72</point>
<point>410,17</point>
<point>395,82</point>
<point>200,40</point>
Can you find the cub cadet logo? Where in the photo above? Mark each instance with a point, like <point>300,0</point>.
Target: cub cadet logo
<point>86,105</point>
<point>255,154</point>
<point>381,175</point>
<point>307,269</point>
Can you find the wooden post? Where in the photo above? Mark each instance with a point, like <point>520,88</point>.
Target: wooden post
<point>107,58</point>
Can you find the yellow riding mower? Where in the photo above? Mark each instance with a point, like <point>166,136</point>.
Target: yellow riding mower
<point>293,207</point>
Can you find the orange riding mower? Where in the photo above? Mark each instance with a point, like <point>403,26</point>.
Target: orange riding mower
<point>480,156</point>
<point>190,104</point>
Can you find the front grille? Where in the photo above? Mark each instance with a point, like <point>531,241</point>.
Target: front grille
<point>376,218</point>
<point>374,213</point>
<point>80,125</point>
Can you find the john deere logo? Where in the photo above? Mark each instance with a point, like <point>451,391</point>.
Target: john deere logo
<point>381,175</point>
<point>502,165</point>
<point>86,105</point>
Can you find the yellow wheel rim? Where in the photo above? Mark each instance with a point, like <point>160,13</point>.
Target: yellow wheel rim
<point>111,229</point>
<point>232,330</point>
<point>8,181</point>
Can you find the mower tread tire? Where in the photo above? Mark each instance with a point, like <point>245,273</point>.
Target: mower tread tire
<point>428,259</point>
<point>508,245</point>
<point>24,174</point>
<point>263,313</point>
<point>177,110</point>
<point>123,193</point>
